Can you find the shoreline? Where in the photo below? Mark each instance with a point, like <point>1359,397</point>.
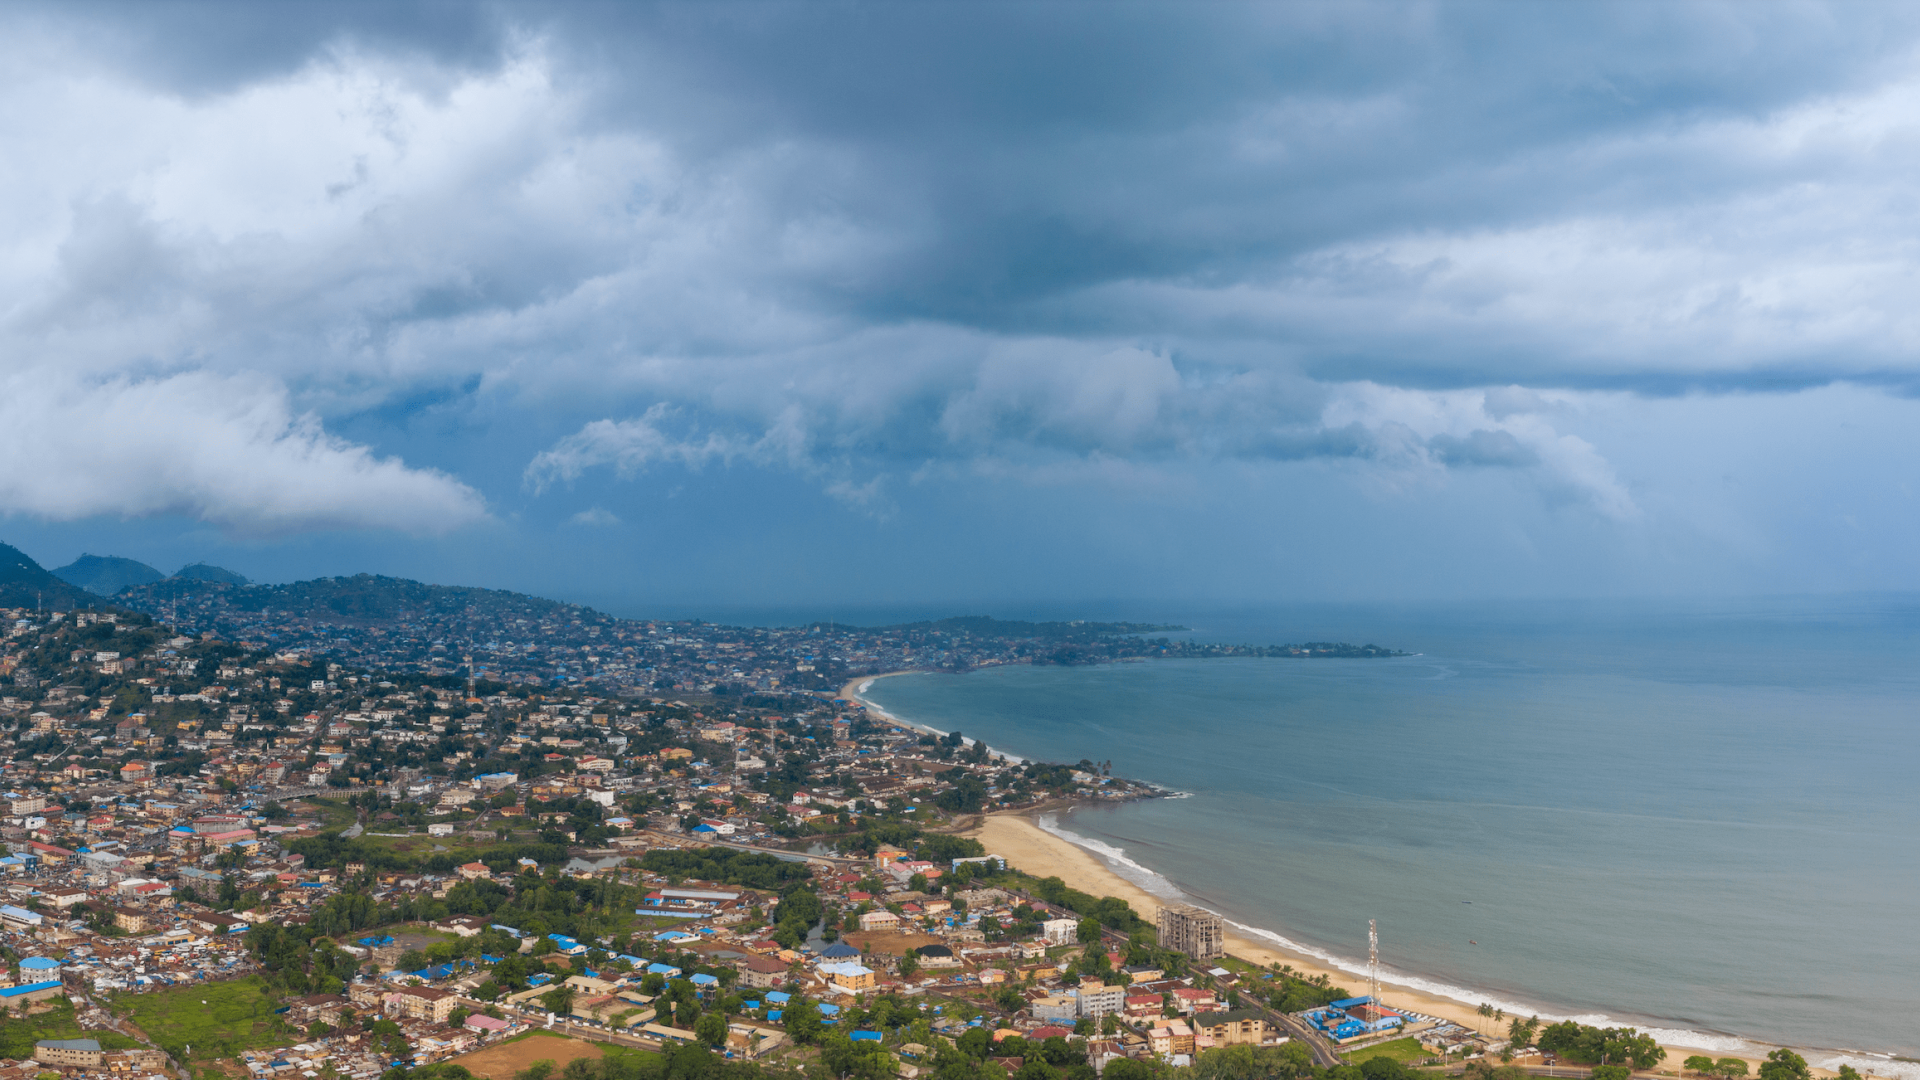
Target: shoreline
<point>1018,837</point>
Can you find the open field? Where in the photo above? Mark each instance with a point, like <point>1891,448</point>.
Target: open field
<point>216,1019</point>
<point>889,942</point>
<point>1401,1050</point>
<point>334,813</point>
<point>18,1034</point>
<point>502,1060</point>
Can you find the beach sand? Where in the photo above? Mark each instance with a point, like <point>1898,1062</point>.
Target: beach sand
<point>1027,847</point>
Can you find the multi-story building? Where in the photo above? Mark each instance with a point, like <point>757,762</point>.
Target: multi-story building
<point>1195,931</point>
<point>1241,1026</point>
<point>1098,1001</point>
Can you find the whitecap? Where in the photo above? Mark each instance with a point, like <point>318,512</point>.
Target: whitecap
<point>1116,858</point>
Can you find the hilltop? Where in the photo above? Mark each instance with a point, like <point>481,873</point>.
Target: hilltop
<point>104,575</point>
<point>26,584</point>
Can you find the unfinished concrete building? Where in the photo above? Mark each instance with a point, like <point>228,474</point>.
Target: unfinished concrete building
<point>1195,931</point>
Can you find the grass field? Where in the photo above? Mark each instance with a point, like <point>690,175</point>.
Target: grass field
<point>216,1019</point>
<point>17,1034</point>
<point>334,813</point>
<point>1401,1050</point>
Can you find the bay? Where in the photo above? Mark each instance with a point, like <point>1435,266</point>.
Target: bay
<point>1698,818</point>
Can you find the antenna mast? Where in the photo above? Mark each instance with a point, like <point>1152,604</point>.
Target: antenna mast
<point>1373,961</point>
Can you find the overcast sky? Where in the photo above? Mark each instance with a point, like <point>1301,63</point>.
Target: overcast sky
<point>915,301</point>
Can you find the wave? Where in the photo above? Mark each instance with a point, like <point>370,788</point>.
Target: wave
<point>1732,1045</point>
<point>1143,876</point>
<point>859,694</point>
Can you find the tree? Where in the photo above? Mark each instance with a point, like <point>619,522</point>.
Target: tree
<point>1088,932</point>
<point>558,1000</point>
<point>1699,1063</point>
<point>539,1070</point>
<point>976,1042</point>
<point>711,1029</point>
<point>1730,1067</point>
<point>1126,1069</point>
<point>458,1016</point>
<point>1611,1072</point>
<point>910,965</point>
<point>802,1020</point>
<point>1785,1065</point>
<point>1033,1068</point>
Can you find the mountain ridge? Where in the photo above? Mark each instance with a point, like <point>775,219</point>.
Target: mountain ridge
<point>24,583</point>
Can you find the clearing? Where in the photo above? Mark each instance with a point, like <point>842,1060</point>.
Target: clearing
<point>1400,1050</point>
<point>502,1060</point>
<point>217,1019</point>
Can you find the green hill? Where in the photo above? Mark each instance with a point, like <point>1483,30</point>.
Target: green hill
<point>104,575</point>
<point>203,572</point>
<point>26,584</point>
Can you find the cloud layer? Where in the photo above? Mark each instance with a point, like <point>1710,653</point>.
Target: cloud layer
<point>868,249</point>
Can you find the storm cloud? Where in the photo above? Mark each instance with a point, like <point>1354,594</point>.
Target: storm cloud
<point>415,268</point>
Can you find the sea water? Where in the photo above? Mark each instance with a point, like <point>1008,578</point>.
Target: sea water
<point>1697,819</point>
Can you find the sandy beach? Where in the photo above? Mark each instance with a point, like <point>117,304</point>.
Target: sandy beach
<point>1026,846</point>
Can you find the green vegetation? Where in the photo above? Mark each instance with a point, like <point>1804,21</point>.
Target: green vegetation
<point>217,1020</point>
<point>1400,1050</point>
<point>1785,1065</point>
<point>18,1034</point>
<point>751,869</point>
<point>1284,1062</point>
<point>1594,1046</point>
<point>1728,1068</point>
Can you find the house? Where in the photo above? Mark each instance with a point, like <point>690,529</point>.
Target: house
<point>1061,931</point>
<point>1241,1026</point>
<point>132,920</point>
<point>422,1003</point>
<point>1192,999</point>
<point>82,1053</point>
<point>1173,1037</point>
<point>880,920</point>
<point>762,972</point>
<point>849,976</point>
<point>1055,1008</point>
<point>473,870</point>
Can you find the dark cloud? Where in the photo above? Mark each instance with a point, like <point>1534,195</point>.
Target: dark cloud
<point>871,249</point>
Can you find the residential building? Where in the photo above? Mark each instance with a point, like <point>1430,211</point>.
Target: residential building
<point>1195,931</point>
<point>1241,1026</point>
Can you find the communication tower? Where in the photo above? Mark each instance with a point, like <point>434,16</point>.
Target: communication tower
<point>1373,961</point>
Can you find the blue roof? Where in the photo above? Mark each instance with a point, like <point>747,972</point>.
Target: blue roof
<point>1348,1003</point>
<point>39,963</point>
<point>778,997</point>
<point>864,1036</point>
<point>27,988</point>
<point>705,980</point>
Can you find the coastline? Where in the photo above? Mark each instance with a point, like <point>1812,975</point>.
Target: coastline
<point>1018,836</point>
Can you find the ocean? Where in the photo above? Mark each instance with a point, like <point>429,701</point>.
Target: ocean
<point>1698,819</point>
